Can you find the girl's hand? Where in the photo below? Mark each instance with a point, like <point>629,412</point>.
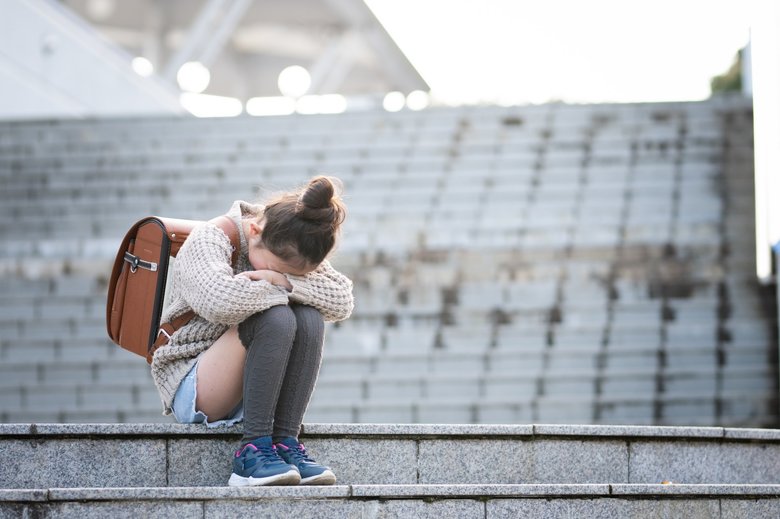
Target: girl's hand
<point>271,276</point>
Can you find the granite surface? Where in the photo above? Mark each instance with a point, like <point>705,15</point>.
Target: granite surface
<point>105,509</point>
<point>400,501</point>
<point>404,509</point>
<point>47,463</point>
<point>752,434</point>
<point>308,509</point>
<point>514,461</point>
<point>64,455</point>
<point>752,508</point>
<point>317,508</point>
<point>402,430</point>
<point>628,431</point>
<point>694,490</point>
<point>200,461</point>
<point>367,461</point>
<point>391,492</point>
<point>199,493</point>
<point>704,462</point>
<point>476,491</point>
<point>115,429</point>
<point>417,430</point>
<point>23,495</point>
<point>602,508</point>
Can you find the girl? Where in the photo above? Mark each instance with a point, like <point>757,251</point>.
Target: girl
<point>253,350</point>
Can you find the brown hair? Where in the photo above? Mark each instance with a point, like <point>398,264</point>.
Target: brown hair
<point>302,226</point>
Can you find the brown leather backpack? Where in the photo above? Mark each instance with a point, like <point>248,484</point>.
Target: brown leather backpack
<point>136,289</point>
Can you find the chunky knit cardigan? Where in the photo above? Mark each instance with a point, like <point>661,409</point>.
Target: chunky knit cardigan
<point>204,281</point>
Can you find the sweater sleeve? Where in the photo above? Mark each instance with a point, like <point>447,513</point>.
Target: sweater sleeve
<point>205,280</point>
<point>325,289</point>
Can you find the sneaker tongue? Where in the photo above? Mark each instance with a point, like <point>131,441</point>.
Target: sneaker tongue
<point>263,443</point>
<point>291,442</point>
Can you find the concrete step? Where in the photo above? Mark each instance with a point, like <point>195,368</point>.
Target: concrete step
<point>482,501</point>
<point>34,456</point>
<point>575,205</point>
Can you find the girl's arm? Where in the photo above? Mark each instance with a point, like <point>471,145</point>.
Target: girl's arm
<point>204,278</point>
<point>325,289</point>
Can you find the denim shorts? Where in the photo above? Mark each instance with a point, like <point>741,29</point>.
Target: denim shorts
<point>184,404</point>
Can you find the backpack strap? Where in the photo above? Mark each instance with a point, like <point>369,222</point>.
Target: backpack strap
<point>168,329</point>
<point>229,227</point>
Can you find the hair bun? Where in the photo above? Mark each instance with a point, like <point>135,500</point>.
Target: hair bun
<point>320,202</point>
<point>301,226</point>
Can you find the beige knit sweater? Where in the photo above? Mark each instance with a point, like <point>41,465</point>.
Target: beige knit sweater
<point>204,281</point>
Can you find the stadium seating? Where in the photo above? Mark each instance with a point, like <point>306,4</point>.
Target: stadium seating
<point>552,263</point>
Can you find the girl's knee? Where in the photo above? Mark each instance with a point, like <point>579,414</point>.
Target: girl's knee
<point>309,318</point>
<point>279,321</point>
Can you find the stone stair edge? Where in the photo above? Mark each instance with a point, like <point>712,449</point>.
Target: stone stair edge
<point>397,431</point>
<point>389,491</point>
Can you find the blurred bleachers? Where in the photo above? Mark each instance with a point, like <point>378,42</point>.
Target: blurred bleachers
<point>553,263</point>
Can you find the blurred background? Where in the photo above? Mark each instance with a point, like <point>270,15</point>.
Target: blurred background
<point>448,53</point>
<point>560,212</point>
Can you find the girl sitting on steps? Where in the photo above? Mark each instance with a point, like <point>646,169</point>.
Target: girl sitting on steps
<point>253,350</point>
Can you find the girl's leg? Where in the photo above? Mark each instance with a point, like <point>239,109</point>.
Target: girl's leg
<point>302,370</point>
<point>219,376</point>
<point>268,337</point>
<point>299,380</point>
<point>266,374</point>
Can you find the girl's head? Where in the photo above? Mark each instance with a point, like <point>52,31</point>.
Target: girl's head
<point>297,230</point>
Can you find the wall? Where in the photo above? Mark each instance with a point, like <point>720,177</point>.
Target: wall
<point>53,65</point>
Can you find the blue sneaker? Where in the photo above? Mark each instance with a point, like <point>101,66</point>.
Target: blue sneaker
<point>312,473</point>
<point>258,463</point>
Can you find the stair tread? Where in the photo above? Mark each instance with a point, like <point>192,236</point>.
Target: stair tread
<point>388,491</point>
<point>408,431</point>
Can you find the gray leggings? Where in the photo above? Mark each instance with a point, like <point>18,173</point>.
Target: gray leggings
<point>284,352</point>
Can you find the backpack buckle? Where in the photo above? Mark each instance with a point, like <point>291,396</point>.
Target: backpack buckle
<point>136,262</point>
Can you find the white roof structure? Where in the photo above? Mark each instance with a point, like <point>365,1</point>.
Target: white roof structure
<point>245,44</point>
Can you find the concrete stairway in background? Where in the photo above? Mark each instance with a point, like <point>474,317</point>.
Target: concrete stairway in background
<point>537,264</point>
<point>484,471</point>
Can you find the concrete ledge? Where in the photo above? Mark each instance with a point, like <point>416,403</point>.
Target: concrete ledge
<point>703,490</point>
<point>477,491</point>
<point>405,431</point>
<point>197,493</point>
<point>176,456</point>
<point>387,492</point>
<point>24,495</point>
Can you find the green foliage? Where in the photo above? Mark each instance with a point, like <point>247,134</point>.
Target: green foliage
<point>731,80</point>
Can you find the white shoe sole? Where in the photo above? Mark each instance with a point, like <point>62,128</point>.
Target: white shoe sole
<point>326,478</point>
<point>288,478</point>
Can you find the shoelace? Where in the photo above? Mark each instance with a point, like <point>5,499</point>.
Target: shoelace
<point>299,454</point>
<point>265,452</point>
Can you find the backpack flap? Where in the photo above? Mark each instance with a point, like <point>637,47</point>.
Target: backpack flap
<point>137,284</point>
<point>177,230</point>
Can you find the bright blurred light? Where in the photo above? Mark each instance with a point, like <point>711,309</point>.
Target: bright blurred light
<point>394,101</point>
<point>142,66</point>
<point>277,105</point>
<point>294,81</point>
<point>193,77</point>
<point>101,10</point>
<point>202,105</point>
<point>322,104</point>
<point>417,100</point>
<point>765,56</point>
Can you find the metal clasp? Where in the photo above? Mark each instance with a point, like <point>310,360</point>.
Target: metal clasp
<point>136,262</point>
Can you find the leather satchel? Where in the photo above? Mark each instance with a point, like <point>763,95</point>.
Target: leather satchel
<point>136,289</point>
